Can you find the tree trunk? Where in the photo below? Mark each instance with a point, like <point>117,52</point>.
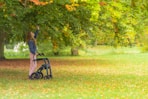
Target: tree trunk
<point>133,3</point>
<point>74,52</point>
<point>2,46</point>
<point>116,36</point>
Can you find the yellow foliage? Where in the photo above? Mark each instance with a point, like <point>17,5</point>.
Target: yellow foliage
<point>51,1</point>
<point>1,4</point>
<point>65,31</point>
<point>75,5</point>
<point>55,45</point>
<point>114,20</point>
<point>5,15</point>
<point>72,1</point>
<point>84,0</point>
<point>71,7</point>
<point>37,2</point>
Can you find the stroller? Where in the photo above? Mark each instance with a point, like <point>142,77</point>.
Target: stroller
<point>46,66</point>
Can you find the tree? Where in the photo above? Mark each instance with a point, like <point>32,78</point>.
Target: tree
<point>72,15</point>
<point>120,21</point>
<point>22,16</point>
<point>12,24</point>
<point>5,25</point>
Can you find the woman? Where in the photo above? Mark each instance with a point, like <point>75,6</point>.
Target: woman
<point>31,40</point>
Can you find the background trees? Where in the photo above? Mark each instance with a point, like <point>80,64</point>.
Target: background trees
<point>121,21</point>
<point>74,23</point>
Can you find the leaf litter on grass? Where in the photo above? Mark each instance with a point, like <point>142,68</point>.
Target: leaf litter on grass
<point>78,78</point>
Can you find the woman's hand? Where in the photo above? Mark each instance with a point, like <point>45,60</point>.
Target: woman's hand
<point>38,28</point>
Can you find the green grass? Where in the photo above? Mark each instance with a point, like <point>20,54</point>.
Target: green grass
<point>106,76</point>
<point>90,51</point>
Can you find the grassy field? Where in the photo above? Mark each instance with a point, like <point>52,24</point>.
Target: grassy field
<point>105,76</point>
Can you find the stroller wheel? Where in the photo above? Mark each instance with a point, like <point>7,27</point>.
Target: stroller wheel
<point>48,77</point>
<point>40,75</point>
<point>35,76</point>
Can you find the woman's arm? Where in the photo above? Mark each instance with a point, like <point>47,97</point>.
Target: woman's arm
<point>36,32</point>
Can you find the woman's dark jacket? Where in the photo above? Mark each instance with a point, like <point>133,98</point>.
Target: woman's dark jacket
<point>32,46</point>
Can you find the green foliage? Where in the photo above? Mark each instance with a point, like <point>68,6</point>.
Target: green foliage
<point>120,19</point>
<point>57,18</point>
<point>22,17</point>
<point>144,40</point>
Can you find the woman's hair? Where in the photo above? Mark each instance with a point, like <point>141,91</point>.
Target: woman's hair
<point>30,37</point>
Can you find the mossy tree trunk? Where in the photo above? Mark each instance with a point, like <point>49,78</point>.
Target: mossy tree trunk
<point>2,46</point>
<point>74,51</point>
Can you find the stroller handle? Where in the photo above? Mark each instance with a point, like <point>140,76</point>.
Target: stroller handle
<point>40,54</point>
<point>46,60</point>
<point>40,59</point>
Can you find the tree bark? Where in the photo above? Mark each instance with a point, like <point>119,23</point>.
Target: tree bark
<point>133,3</point>
<point>116,36</point>
<point>2,46</point>
<point>74,52</point>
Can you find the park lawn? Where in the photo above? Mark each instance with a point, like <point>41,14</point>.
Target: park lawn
<point>109,76</point>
